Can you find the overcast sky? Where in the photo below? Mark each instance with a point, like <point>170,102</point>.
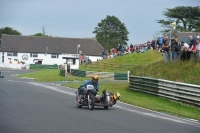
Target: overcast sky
<point>78,18</point>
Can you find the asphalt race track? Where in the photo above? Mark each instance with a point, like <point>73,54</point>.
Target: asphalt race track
<point>33,107</point>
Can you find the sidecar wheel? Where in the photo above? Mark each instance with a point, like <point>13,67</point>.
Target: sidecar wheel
<point>79,106</point>
<point>105,107</point>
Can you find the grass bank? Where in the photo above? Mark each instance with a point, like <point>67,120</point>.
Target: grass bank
<point>179,71</point>
<point>50,75</point>
<point>147,101</point>
<point>124,63</point>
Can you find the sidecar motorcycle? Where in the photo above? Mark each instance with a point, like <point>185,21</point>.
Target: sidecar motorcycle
<point>88,99</point>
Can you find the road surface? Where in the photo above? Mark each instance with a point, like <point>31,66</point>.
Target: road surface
<point>34,107</point>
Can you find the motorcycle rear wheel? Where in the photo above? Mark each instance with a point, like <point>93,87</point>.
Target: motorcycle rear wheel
<point>91,102</point>
<point>105,107</point>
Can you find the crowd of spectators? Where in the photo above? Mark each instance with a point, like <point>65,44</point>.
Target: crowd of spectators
<point>171,50</point>
<point>181,50</point>
<point>84,59</point>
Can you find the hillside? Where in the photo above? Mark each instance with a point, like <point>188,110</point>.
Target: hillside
<point>150,64</point>
<point>124,63</point>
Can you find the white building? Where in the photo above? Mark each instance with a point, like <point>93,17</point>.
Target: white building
<point>16,50</point>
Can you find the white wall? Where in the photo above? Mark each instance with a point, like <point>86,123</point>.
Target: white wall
<point>46,59</point>
<point>94,58</point>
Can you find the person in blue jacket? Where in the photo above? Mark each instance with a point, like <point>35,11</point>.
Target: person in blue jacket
<point>93,81</point>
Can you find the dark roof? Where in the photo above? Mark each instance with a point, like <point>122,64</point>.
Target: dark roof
<point>34,44</point>
<point>185,35</point>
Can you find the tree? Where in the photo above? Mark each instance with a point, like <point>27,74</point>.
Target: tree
<point>43,32</point>
<point>9,31</point>
<point>38,34</point>
<point>187,18</point>
<point>111,32</point>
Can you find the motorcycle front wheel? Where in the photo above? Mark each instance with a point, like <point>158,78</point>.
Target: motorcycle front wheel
<point>91,102</point>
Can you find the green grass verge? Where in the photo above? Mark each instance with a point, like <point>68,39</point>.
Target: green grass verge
<point>147,101</point>
<point>49,75</point>
<point>187,72</point>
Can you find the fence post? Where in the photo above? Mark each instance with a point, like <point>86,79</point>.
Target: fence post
<point>128,75</point>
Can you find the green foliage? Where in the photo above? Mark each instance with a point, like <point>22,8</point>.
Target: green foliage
<point>146,101</point>
<point>111,32</point>
<point>38,34</point>
<point>9,31</point>
<point>187,18</point>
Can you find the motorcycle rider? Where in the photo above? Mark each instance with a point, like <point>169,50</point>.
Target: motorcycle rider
<point>93,81</point>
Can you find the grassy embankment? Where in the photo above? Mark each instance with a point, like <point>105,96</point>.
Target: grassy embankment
<point>50,75</point>
<point>145,64</point>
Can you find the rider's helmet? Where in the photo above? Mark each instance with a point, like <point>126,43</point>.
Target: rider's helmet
<point>95,78</point>
<point>117,96</point>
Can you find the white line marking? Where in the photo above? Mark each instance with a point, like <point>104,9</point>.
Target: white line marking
<point>52,88</point>
<point>152,115</point>
<point>191,120</point>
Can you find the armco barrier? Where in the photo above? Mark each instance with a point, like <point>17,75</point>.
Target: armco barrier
<point>76,72</point>
<point>181,92</point>
<point>120,76</point>
<point>40,66</point>
<point>62,72</point>
<point>105,75</point>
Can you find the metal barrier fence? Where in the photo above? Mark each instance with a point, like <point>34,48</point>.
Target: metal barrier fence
<point>40,66</point>
<point>180,92</point>
<point>62,72</point>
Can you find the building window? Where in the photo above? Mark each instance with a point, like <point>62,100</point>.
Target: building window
<point>71,61</point>
<point>12,54</point>
<point>34,55</point>
<point>54,55</point>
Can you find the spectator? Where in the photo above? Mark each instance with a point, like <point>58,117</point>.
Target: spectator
<point>165,48</point>
<point>153,44</point>
<point>123,49</point>
<point>165,51</point>
<point>198,50</point>
<point>184,45</point>
<point>197,35</point>
<point>81,59</point>
<point>174,49</point>
<point>191,49</point>
<point>131,48</point>
<point>85,58</point>
<point>160,42</point>
<point>104,55</point>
